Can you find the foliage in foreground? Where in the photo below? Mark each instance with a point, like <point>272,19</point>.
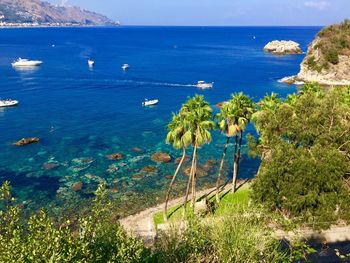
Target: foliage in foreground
<point>241,237</point>
<point>304,145</point>
<point>93,239</point>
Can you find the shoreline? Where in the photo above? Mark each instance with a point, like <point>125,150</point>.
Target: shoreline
<point>57,26</point>
<point>141,225</point>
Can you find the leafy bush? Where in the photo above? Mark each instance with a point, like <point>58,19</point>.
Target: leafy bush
<point>332,56</point>
<point>39,239</point>
<point>305,156</point>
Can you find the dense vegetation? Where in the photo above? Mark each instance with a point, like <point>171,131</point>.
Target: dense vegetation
<point>332,42</point>
<point>94,238</point>
<point>304,145</point>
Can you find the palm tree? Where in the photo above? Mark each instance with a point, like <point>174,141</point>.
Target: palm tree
<point>243,109</point>
<point>197,114</point>
<point>226,124</point>
<point>266,109</point>
<point>180,138</point>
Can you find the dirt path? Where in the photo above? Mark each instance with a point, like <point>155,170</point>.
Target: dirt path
<point>141,225</point>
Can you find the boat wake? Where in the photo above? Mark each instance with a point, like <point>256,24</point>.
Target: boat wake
<point>151,83</point>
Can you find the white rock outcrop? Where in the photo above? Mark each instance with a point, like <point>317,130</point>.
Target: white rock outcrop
<point>283,47</point>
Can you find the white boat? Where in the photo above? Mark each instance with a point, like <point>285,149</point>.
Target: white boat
<point>204,85</point>
<point>149,102</point>
<point>91,62</point>
<point>26,63</point>
<point>125,67</point>
<point>8,103</point>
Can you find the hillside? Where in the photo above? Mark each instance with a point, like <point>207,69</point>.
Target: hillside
<point>40,12</point>
<point>328,57</point>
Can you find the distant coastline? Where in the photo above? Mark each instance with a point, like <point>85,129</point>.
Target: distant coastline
<point>46,25</point>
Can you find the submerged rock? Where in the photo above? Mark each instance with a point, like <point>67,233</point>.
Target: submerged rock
<point>209,164</point>
<point>112,168</point>
<point>149,169</point>
<point>219,105</point>
<point>50,166</point>
<point>26,141</point>
<point>283,47</point>
<point>161,157</point>
<point>201,171</point>
<point>138,150</point>
<point>77,186</point>
<point>115,156</point>
<point>82,160</point>
<point>168,177</point>
<point>137,176</point>
<point>80,164</point>
<point>113,190</point>
<point>178,160</point>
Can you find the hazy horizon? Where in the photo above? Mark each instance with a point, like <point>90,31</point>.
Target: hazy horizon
<point>219,13</point>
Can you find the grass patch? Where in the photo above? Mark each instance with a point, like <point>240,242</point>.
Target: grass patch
<point>230,203</point>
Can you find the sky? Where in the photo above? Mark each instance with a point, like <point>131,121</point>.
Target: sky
<point>219,12</point>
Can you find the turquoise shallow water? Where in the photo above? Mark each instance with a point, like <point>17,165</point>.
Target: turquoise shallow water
<point>81,114</point>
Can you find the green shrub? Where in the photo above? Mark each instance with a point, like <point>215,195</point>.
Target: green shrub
<point>305,157</point>
<point>240,237</point>
<point>332,56</point>
<point>39,239</point>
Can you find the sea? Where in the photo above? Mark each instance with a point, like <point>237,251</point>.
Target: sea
<point>82,114</point>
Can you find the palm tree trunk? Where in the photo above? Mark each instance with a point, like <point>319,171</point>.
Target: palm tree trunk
<point>194,178</point>
<point>186,196</point>
<point>172,183</point>
<point>239,150</point>
<point>234,179</point>
<point>220,169</point>
<point>190,180</point>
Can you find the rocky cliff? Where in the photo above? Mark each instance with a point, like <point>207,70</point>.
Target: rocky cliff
<point>37,11</point>
<point>328,57</point>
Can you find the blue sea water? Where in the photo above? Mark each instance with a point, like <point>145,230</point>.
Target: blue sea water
<point>81,114</point>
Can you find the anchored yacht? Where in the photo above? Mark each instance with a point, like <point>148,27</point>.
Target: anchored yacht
<point>8,103</point>
<point>91,62</point>
<point>21,62</point>
<point>149,102</point>
<point>125,67</point>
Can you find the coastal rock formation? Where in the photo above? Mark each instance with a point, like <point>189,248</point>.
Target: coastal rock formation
<point>26,141</point>
<point>328,57</point>
<point>283,47</point>
<point>41,12</point>
<point>161,157</point>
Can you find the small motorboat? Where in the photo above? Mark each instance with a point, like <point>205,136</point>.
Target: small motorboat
<point>149,102</point>
<point>125,67</point>
<point>26,63</point>
<point>91,62</point>
<point>8,103</point>
<point>204,85</point>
